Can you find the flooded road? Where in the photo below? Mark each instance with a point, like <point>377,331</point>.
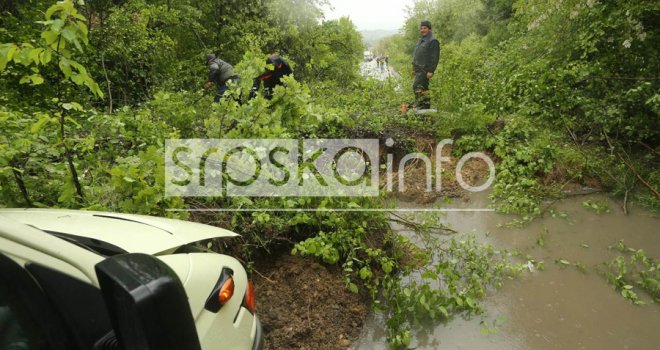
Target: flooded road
<point>562,306</point>
<point>374,70</point>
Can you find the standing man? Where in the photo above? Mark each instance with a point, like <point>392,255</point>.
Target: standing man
<point>276,68</point>
<point>220,72</point>
<point>425,61</point>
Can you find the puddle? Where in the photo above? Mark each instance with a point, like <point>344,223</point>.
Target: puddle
<point>560,307</point>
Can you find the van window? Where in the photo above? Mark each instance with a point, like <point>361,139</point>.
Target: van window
<point>13,334</point>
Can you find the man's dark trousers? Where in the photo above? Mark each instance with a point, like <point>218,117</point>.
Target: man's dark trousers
<point>421,90</point>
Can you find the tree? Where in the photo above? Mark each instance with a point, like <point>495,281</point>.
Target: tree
<point>64,30</point>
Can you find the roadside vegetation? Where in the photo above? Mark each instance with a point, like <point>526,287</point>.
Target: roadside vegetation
<point>563,94</point>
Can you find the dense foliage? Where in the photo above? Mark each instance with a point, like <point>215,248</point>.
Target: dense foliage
<point>92,86</point>
<point>574,82</point>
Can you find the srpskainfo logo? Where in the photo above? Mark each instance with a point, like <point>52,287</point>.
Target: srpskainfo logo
<point>271,167</point>
<point>299,168</point>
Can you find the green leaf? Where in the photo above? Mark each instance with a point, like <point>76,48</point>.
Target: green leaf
<point>80,17</point>
<point>443,311</point>
<point>7,53</point>
<point>79,79</point>
<point>469,302</point>
<point>83,30</point>
<point>97,90</point>
<point>73,121</point>
<point>69,35</point>
<point>36,127</point>
<point>36,79</point>
<point>50,36</point>
<point>540,241</point>
<point>57,24</point>
<point>65,67</point>
<point>59,46</point>
<point>34,55</point>
<point>387,266</point>
<point>51,10</point>
<point>365,273</point>
<point>429,275</point>
<point>77,106</point>
<point>45,56</point>
<point>77,44</point>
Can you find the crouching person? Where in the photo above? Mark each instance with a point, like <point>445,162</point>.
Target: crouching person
<point>220,72</point>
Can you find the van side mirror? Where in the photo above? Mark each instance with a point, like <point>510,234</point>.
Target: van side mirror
<point>147,303</point>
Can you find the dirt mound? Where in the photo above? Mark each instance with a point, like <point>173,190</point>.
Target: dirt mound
<point>474,172</point>
<point>304,305</point>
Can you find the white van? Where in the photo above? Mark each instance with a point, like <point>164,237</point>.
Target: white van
<point>80,280</point>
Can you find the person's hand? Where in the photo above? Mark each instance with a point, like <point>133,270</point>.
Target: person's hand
<point>429,75</point>
<point>209,84</point>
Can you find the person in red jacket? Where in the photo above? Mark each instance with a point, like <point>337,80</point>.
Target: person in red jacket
<point>276,68</point>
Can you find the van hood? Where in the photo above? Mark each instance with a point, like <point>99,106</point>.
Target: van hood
<point>132,233</point>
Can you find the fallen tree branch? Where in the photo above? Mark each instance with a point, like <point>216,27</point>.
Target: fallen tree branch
<point>568,194</point>
<point>573,137</point>
<point>657,154</point>
<point>629,164</point>
<point>416,226</point>
<point>639,177</point>
<point>262,276</point>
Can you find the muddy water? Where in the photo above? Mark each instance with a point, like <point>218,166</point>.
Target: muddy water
<point>557,308</point>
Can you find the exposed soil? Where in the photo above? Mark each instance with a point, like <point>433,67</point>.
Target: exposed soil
<point>303,304</point>
<point>474,172</point>
<point>561,175</point>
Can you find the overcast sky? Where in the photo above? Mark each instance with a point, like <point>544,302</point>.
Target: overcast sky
<point>370,14</point>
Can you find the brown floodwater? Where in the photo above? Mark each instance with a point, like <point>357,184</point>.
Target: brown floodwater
<point>560,307</point>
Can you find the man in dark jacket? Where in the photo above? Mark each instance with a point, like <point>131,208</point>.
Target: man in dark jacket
<point>425,61</point>
<point>220,72</point>
<point>276,68</point>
